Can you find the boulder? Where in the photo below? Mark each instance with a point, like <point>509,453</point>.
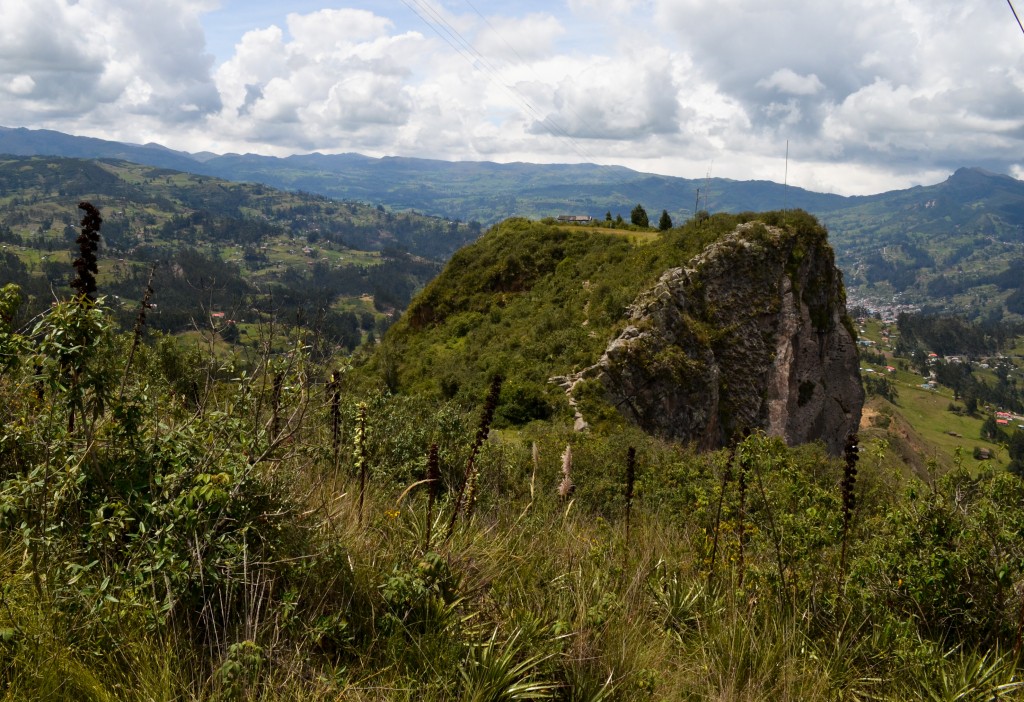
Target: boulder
<point>751,334</point>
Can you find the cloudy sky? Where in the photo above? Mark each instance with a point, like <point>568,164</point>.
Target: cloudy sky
<point>870,95</point>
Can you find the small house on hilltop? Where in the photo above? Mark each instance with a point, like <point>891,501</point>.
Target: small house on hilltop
<point>575,219</point>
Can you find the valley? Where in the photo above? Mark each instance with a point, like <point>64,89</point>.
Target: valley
<point>218,251</point>
<point>956,246</point>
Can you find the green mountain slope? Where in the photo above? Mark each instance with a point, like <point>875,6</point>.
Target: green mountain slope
<point>114,183</point>
<point>490,192</point>
<point>528,300</point>
<point>954,246</point>
<point>481,191</point>
<point>46,142</point>
<point>243,251</point>
<point>957,246</point>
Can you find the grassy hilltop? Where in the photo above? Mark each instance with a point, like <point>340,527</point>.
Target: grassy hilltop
<point>531,300</point>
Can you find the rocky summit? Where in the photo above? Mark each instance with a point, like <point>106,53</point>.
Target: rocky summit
<point>751,334</point>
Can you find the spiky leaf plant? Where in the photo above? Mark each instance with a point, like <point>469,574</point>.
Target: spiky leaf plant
<point>502,671</point>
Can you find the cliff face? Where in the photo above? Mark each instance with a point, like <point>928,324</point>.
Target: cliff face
<point>749,335</point>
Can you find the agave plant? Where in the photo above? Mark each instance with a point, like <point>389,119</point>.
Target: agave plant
<point>967,677</point>
<point>498,671</point>
<point>682,603</point>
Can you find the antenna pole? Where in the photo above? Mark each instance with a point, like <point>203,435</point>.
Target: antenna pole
<point>785,180</point>
<point>707,186</point>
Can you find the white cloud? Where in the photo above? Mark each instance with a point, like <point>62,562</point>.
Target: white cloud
<point>881,91</point>
<point>790,82</point>
<point>91,59</point>
<point>335,75</point>
<point>863,84</point>
<point>519,38</point>
<point>627,98</point>
<point>325,32</point>
<point>21,85</point>
<point>613,7</point>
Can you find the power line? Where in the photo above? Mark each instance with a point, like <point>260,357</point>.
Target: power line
<point>430,24</point>
<point>511,90</point>
<point>523,61</point>
<point>496,32</point>
<point>451,36</point>
<point>1015,15</point>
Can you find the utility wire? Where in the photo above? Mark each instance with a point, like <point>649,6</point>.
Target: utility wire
<point>495,76</point>
<point>492,28</point>
<point>462,46</point>
<point>524,62</point>
<point>1015,15</point>
<point>478,61</point>
<point>447,40</point>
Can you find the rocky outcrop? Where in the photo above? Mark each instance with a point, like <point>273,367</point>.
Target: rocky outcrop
<point>751,334</point>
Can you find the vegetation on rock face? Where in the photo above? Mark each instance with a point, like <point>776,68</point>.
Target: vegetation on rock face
<point>527,301</point>
<point>751,334</point>
<point>175,527</point>
<point>531,301</point>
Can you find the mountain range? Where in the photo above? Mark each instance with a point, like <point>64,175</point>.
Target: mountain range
<point>483,191</point>
<point>952,246</point>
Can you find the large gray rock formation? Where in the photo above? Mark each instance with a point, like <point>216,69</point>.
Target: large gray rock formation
<point>751,334</point>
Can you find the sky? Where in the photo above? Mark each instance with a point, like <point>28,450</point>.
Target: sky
<point>845,96</point>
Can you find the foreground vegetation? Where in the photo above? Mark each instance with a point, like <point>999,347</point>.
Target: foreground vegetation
<point>176,528</point>
<point>186,525</point>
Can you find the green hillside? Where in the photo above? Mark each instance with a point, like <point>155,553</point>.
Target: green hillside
<point>956,247</point>
<point>189,522</point>
<point>217,250</point>
<point>490,192</point>
<point>532,300</point>
<point>935,386</point>
<point>471,191</point>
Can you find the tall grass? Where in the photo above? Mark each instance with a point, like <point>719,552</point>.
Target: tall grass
<point>171,549</point>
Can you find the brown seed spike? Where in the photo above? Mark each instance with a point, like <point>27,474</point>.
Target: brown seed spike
<point>88,243</point>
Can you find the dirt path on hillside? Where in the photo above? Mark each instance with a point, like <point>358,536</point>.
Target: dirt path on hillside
<point>867,414</point>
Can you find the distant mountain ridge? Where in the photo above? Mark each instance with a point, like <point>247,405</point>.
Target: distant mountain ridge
<point>45,142</point>
<point>472,190</point>
<point>953,246</point>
